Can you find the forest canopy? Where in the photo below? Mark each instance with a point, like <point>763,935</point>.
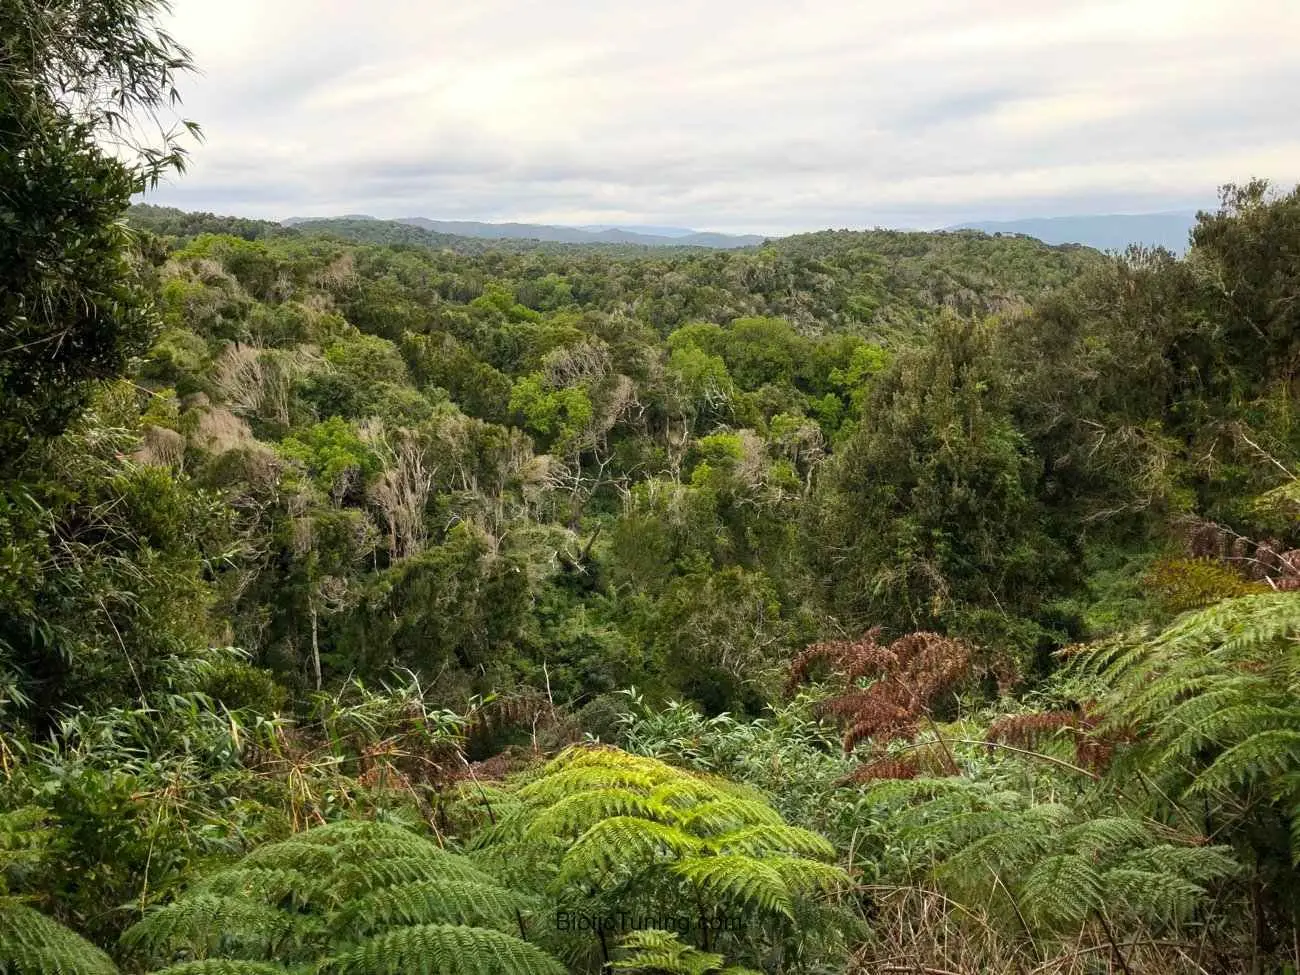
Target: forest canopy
<point>371,600</point>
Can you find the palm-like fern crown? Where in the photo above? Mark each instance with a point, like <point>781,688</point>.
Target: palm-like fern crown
<point>1041,867</point>
<point>1213,704</point>
<point>350,898</point>
<point>605,831</point>
<point>30,942</point>
<point>33,944</point>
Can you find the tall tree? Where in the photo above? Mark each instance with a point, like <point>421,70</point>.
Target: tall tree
<point>83,86</point>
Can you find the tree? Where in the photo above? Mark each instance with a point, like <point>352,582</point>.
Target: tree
<point>930,517</point>
<point>77,77</point>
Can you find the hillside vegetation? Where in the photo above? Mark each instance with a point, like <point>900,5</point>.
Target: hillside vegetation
<point>860,602</point>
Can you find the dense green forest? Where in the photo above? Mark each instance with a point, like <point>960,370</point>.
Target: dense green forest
<point>375,601</point>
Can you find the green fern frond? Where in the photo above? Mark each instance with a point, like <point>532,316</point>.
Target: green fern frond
<point>358,879</point>
<point>768,838</point>
<point>294,854</point>
<point>510,826</point>
<point>653,952</point>
<point>808,876</point>
<point>443,949</point>
<point>624,840</point>
<point>24,835</point>
<point>1151,894</point>
<point>224,966</point>
<point>740,879</point>
<point>33,944</point>
<point>432,902</point>
<point>1026,837</point>
<point>421,909</point>
<point>687,791</point>
<point>585,778</point>
<point>1105,836</point>
<point>577,813</point>
<point>1264,755</point>
<point>266,885</point>
<point>205,924</point>
<point>646,829</point>
<point>1062,890</point>
<point>1198,864</point>
<point>716,816</point>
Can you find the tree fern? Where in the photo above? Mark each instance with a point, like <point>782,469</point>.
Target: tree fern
<point>362,898</point>
<point>33,944</point>
<point>224,966</point>
<point>426,901</point>
<point>623,841</point>
<point>24,835</point>
<point>639,837</point>
<point>443,949</point>
<point>1044,868</point>
<point>653,952</point>
<point>740,880</point>
<point>205,925</point>
<point>1213,707</point>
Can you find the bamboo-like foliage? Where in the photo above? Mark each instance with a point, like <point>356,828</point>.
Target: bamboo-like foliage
<point>351,898</point>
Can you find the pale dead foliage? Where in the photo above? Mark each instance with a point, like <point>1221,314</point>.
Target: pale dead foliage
<point>220,430</point>
<point>254,381</point>
<point>238,379</point>
<point>919,932</point>
<point>583,364</point>
<point>161,447</point>
<point>402,491</point>
<point>339,274</point>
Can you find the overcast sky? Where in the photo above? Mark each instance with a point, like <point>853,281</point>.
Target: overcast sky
<point>739,115</point>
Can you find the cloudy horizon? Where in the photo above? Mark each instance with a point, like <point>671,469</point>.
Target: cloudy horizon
<point>760,117</point>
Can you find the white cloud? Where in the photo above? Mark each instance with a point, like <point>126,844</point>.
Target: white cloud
<point>761,115</point>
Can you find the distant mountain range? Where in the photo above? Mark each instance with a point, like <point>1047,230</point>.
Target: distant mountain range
<point>1107,232</point>
<point>601,234</point>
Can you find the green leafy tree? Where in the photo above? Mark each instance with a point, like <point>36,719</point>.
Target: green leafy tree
<point>75,76</point>
<point>931,515</point>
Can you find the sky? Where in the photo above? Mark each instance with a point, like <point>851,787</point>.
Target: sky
<point>734,115</point>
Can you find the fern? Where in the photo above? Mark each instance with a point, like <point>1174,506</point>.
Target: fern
<point>653,952</point>
<point>24,835</point>
<point>577,813</point>
<point>648,838</point>
<point>443,949</point>
<point>33,944</point>
<point>1046,868</point>
<point>1213,706</point>
<point>765,838</point>
<point>418,907</point>
<point>740,879</point>
<point>428,901</point>
<point>623,841</point>
<point>224,966</point>
<point>205,925</point>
